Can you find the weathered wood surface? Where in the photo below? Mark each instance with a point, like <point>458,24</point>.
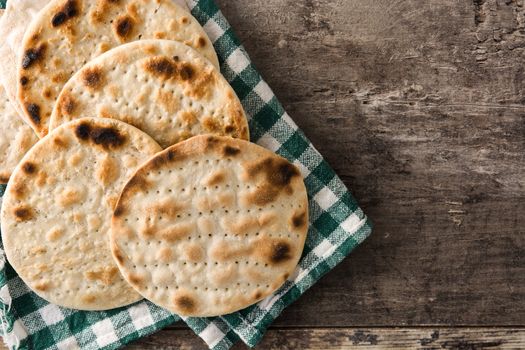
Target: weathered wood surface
<point>356,338</point>
<point>420,108</point>
<point>352,338</point>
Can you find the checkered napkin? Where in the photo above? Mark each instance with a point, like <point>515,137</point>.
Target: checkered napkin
<point>337,226</point>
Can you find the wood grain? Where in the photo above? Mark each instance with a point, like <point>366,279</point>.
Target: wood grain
<point>356,338</point>
<point>422,338</point>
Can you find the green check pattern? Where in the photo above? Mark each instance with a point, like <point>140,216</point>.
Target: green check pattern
<point>337,226</point>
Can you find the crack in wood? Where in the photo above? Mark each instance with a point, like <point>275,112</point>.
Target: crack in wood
<point>433,337</point>
<point>479,11</point>
<point>470,345</point>
<point>360,337</point>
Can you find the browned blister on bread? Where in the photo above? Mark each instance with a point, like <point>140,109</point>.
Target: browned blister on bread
<point>57,210</point>
<point>211,225</point>
<point>67,34</point>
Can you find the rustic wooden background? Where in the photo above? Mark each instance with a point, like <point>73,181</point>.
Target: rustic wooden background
<point>420,108</point>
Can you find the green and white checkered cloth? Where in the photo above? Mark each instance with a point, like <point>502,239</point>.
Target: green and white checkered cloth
<point>337,226</point>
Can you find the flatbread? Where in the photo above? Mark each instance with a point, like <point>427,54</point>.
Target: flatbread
<point>67,34</point>
<point>16,19</point>
<point>16,138</point>
<point>210,226</point>
<point>57,210</point>
<point>162,87</point>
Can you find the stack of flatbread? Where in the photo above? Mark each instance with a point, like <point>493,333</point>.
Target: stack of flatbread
<point>129,168</point>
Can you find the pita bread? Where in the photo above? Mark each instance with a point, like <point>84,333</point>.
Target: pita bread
<point>57,208</point>
<point>67,34</point>
<point>210,226</point>
<point>16,138</point>
<point>13,25</point>
<point>162,87</point>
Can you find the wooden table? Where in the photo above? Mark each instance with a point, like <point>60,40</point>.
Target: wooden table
<point>419,106</point>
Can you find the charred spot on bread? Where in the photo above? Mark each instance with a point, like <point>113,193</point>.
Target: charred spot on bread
<point>185,303</point>
<point>161,66</point>
<point>277,171</point>
<point>170,155</point>
<point>106,137</point>
<point>124,27</point>
<point>24,81</point>
<point>119,210</point>
<point>47,93</point>
<point>165,68</point>
<point>201,42</point>
<point>211,142</point>
<point>277,174</point>
<point>229,151</point>
<point>299,219</point>
<point>68,11</point>
<point>23,213</point>
<point>33,55</point>
<point>82,131</point>
<point>93,78</point>
<point>34,112</point>
<point>187,72</point>
<point>29,168</point>
<point>280,252</point>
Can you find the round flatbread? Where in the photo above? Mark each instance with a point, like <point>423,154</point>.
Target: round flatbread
<point>210,226</point>
<point>16,138</point>
<point>162,87</point>
<point>16,19</point>
<point>57,209</point>
<point>67,34</point>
